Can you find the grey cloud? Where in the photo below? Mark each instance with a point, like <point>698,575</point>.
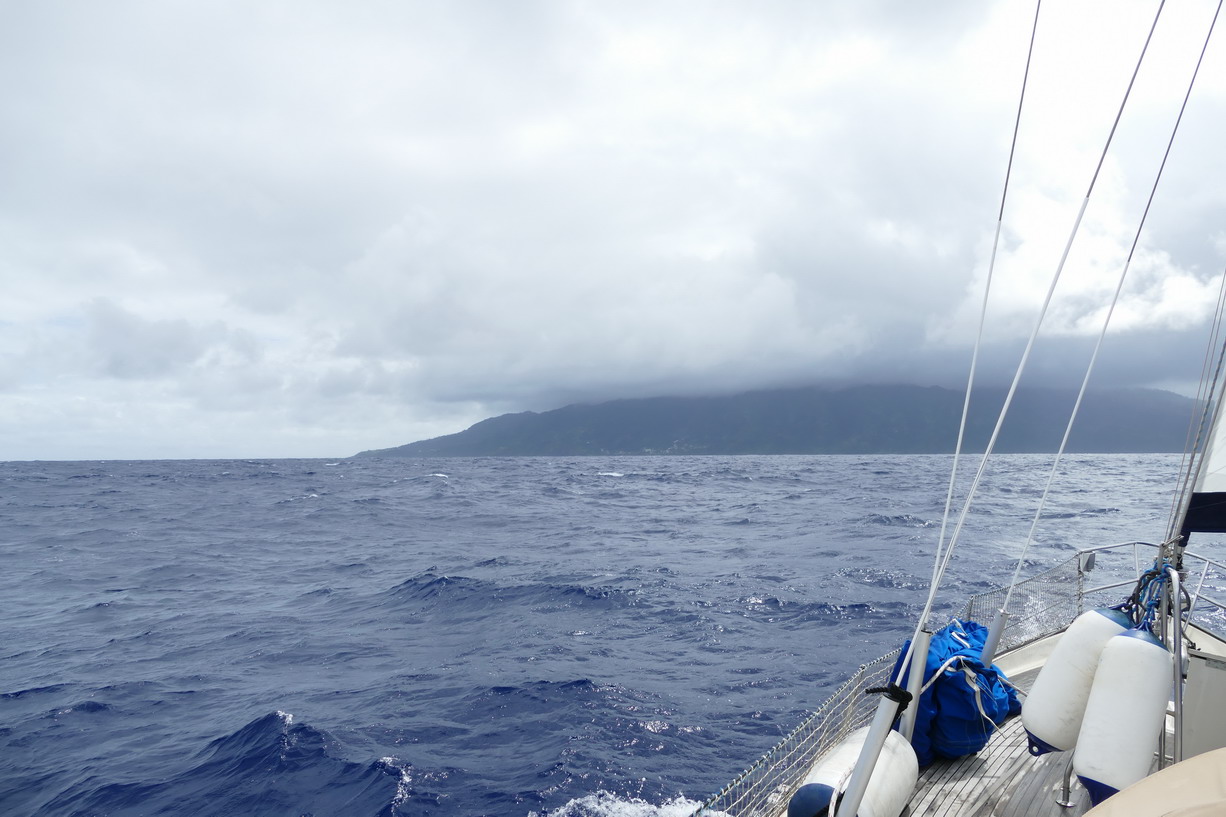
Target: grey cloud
<point>392,219</point>
<point>125,345</point>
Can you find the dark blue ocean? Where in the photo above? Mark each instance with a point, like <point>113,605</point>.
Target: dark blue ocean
<point>519,637</point>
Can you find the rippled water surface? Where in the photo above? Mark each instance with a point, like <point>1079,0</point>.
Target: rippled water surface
<point>472,636</point>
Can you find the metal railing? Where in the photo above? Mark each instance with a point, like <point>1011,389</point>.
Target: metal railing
<point>766,786</point>
<point>1041,605</point>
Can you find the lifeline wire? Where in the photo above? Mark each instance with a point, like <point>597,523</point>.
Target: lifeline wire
<point>1119,287</point>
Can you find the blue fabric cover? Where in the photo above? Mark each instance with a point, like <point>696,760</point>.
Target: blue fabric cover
<point>948,722</point>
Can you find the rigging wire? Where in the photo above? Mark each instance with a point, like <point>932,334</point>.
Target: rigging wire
<point>983,311</point>
<point>1199,429</point>
<point>867,759</point>
<point>1196,422</point>
<point>949,549</point>
<point>1190,464</point>
<point>1119,287</point>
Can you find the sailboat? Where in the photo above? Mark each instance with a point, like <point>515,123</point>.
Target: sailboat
<point>1097,686</point>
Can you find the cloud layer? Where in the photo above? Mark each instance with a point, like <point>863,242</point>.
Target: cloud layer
<point>297,229</point>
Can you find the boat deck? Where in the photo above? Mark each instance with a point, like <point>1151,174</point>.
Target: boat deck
<point>1003,780</point>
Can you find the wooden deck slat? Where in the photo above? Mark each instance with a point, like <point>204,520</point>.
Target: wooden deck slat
<point>1001,781</point>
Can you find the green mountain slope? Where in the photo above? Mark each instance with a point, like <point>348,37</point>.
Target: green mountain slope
<point>859,420</point>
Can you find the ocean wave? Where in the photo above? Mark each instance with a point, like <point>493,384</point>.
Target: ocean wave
<point>469,595</point>
<point>270,766</point>
<point>1087,512</point>
<point>905,520</point>
<point>882,578</point>
<point>537,691</point>
<point>40,690</point>
<point>431,586</point>
<point>822,614</point>
<point>513,638</point>
<point>605,804</point>
<point>87,707</point>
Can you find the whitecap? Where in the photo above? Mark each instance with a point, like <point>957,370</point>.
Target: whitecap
<point>604,804</point>
<point>404,786</point>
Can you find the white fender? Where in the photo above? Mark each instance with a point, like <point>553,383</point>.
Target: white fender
<point>1053,710</point>
<point>1125,715</point>
<point>889,789</point>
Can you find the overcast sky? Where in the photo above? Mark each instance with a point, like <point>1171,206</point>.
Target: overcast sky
<point>299,228</point>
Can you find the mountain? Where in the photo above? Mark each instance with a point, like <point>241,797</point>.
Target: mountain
<point>814,420</point>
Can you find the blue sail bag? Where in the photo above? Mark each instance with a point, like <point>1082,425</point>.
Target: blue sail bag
<point>958,711</point>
